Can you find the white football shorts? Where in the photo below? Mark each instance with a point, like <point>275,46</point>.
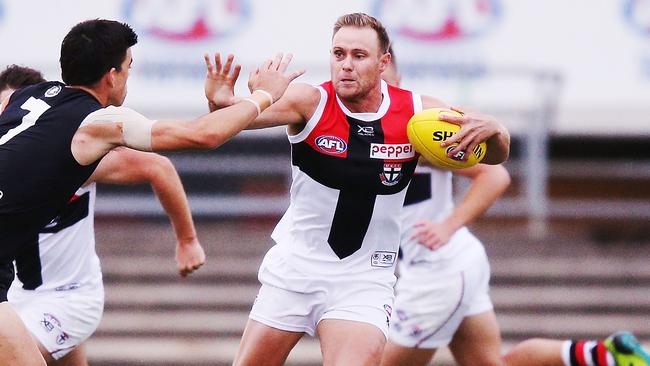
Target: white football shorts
<point>60,320</point>
<point>430,303</point>
<point>292,301</point>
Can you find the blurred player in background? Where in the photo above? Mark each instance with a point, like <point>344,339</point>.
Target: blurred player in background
<point>434,309</point>
<point>61,296</point>
<point>332,270</point>
<point>442,294</point>
<point>15,77</point>
<point>53,136</point>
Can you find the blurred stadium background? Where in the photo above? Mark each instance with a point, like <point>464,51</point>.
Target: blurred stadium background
<point>569,243</point>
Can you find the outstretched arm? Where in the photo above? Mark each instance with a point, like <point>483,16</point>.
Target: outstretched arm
<point>293,109</point>
<point>111,127</point>
<point>127,166</point>
<point>488,182</point>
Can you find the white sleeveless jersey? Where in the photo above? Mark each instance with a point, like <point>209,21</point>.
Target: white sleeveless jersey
<point>350,172</point>
<point>66,257</point>
<point>430,197</point>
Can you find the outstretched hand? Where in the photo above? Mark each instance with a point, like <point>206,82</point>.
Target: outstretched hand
<point>474,128</point>
<point>189,257</point>
<point>270,76</point>
<point>219,82</point>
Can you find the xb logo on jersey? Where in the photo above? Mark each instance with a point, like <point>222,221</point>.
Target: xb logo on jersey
<point>49,322</point>
<point>365,131</point>
<point>382,258</point>
<point>331,144</point>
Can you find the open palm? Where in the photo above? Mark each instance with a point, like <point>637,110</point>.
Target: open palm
<point>220,82</point>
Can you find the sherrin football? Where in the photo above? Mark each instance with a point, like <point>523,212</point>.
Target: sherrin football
<point>426,132</point>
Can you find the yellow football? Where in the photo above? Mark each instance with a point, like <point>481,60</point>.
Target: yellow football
<point>426,132</point>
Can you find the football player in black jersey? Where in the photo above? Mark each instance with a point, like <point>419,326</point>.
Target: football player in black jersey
<point>120,166</point>
<point>53,135</point>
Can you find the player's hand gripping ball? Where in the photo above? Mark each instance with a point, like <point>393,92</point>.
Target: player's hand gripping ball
<point>426,132</point>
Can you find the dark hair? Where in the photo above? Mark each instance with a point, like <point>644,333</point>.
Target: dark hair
<point>16,77</point>
<point>362,20</point>
<point>92,48</point>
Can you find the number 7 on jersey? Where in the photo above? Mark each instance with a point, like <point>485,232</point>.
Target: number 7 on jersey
<point>36,108</point>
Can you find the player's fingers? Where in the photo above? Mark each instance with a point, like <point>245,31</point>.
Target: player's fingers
<point>217,62</point>
<point>284,62</point>
<point>464,143</point>
<point>252,78</point>
<point>235,72</point>
<point>471,146</point>
<point>266,65</point>
<point>228,64</point>
<point>208,63</point>
<point>189,268</point>
<point>183,271</point>
<point>452,139</point>
<point>418,236</point>
<point>458,109</point>
<point>424,238</point>
<point>457,120</point>
<point>429,243</point>
<point>275,64</point>
<point>294,75</point>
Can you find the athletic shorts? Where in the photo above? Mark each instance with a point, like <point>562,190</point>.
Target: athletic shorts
<point>60,320</point>
<point>430,304</point>
<point>292,301</point>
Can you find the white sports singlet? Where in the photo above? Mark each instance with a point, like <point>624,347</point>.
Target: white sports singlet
<point>350,171</point>
<point>65,309</point>
<point>336,245</point>
<point>436,289</point>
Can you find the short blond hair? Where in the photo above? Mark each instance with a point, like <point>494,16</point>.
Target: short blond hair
<point>362,20</point>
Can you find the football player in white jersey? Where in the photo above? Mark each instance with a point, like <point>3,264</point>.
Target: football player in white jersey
<point>65,306</point>
<point>331,271</point>
<point>53,135</point>
<point>442,291</point>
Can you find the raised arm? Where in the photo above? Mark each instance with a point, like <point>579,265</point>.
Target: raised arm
<point>475,128</point>
<point>118,126</point>
<point>293,109</point>
<point>488,182</point>
<point>127,166</point>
